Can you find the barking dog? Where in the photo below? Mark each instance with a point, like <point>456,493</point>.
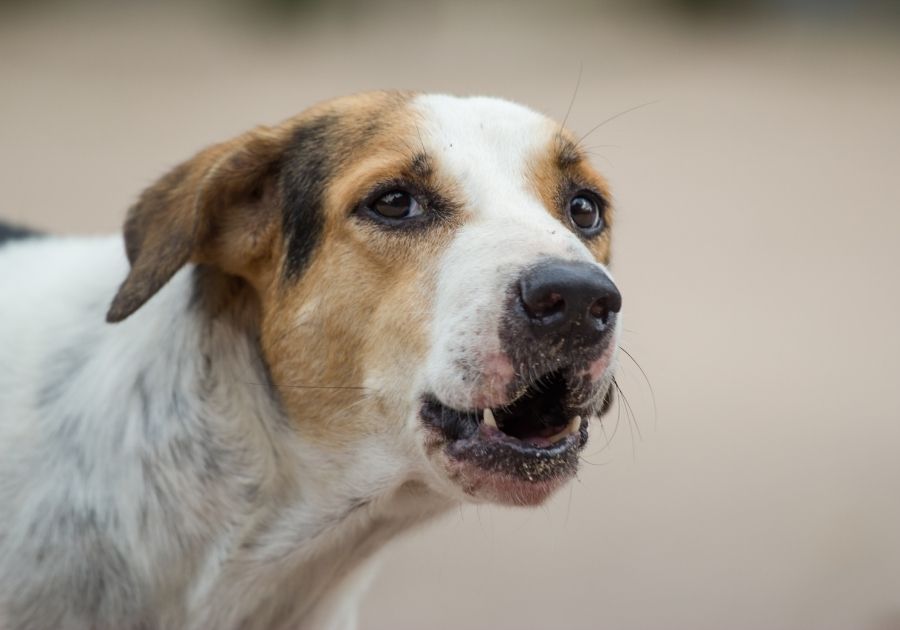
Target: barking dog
<point>324,333</point>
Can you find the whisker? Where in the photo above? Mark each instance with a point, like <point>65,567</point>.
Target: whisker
<point>609,438</point>
<point>410,153</point>
<point>590,149</point>
<point>631,419</point>
<point>352,387</point>
<point>367,395</point>
<point>565,119</point>
<point>612,118</point>
<point>311,386</point>
<point>618,421</point>
<point>649,385</point>
<point>603,428</point>
<point>421,142</point>
<point>629,408</point>
<point>589,462</point>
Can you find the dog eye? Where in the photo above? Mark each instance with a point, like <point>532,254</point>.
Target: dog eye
<point>396,204</point>
<point>585,213</point>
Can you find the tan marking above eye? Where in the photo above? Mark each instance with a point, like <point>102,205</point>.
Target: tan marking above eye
<point>568,153</point>
<point>558,174</point>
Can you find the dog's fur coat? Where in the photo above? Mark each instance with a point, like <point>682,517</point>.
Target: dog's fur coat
<point>232,451</point>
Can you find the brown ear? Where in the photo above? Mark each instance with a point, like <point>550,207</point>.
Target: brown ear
<point>226,190</point>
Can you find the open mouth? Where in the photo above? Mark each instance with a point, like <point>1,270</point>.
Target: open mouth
<point>534,438</point>
<point>539,416</point>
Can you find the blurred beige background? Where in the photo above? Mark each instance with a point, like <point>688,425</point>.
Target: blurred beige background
<point>759,220</point>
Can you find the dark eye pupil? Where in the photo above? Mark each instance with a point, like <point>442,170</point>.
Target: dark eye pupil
<point>585,212</point>
<point>395,205</point>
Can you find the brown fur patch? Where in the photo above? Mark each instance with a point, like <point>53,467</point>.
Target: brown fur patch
<point>321,333</point>
<point>215,208</point>
<point>363,304</point>
<point>360,304</point>
<point>561,171</point>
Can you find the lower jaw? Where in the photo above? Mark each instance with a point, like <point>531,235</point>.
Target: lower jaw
<point>512,472</point>
<point>483,486</point>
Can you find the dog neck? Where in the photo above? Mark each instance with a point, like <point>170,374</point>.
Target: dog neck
<point>267,527</point>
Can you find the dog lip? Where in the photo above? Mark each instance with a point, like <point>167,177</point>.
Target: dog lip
<point>475,423</point>
<point>531,446</point>
<point>544,411</point>
<point>487,453</point>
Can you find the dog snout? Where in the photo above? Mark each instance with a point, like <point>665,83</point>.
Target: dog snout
<point>563,298</point>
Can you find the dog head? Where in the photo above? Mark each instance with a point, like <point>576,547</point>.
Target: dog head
<point>430,279</point>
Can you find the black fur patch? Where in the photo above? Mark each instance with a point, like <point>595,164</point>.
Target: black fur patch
<point>9,232</point>
<point>309,161</point>
<point>320,147</point>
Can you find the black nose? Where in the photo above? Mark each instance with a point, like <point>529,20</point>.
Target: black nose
<point>569,297</point>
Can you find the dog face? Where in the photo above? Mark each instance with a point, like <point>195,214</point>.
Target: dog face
<point>428,283</point>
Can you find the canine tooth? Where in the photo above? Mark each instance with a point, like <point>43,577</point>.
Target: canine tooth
<point>562,435</point>
<point>571,428</point>
<point>574,425</point>
<point>489,418</point>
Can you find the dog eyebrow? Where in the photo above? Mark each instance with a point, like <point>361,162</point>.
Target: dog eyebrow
<point>568,154</point>
<point>421,165</point>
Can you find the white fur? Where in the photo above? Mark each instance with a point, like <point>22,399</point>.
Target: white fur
<point>486,145</point>
<point>244,546</point>
<point>157,441</point>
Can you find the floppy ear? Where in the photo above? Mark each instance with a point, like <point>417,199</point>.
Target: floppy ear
<point>218,207</point>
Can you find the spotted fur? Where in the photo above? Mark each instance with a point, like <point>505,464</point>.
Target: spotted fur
<point>217,425</point>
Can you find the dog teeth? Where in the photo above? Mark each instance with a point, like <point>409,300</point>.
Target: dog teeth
<point>489,419</point>
<point>571,428</point>
<point>574,425</point>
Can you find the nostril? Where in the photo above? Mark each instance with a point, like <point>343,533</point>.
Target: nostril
<point>542,303</point>
<point>603,307</point>
<point>600,310</point>
<point>550,304</point>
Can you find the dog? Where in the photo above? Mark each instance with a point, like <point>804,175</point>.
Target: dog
<point>317,336</point>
